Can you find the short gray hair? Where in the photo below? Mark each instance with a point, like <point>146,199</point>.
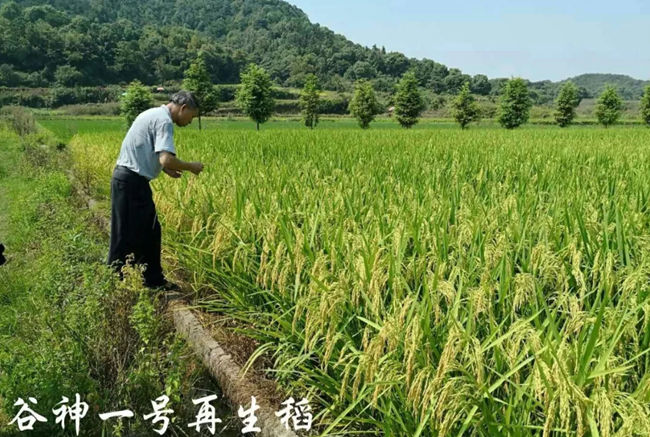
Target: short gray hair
<point>185,98</point>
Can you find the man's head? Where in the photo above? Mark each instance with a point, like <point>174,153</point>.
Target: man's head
<point>184,106</point>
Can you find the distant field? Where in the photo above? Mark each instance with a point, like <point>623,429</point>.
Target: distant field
<point>424,282</point>
<point>65,127</point>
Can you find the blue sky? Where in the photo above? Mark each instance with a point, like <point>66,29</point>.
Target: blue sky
<point>536,40</point>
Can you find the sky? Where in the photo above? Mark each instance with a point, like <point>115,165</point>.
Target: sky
<point>534,39</point>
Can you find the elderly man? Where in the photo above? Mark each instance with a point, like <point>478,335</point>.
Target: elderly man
<point>147,149</point>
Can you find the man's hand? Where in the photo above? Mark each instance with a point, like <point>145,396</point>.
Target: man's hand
<point>196,167</point>
<point>169,161</point>
<point>172,173</point>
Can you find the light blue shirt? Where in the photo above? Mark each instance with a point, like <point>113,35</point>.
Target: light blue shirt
<point>152,132</point>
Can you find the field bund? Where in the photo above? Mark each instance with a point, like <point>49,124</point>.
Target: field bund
<point>425,282</point>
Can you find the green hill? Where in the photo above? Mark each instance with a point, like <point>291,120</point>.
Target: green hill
<point>91,42</point>
<point>628,87</point>
<point>590,85</point>
<point>71,43</point>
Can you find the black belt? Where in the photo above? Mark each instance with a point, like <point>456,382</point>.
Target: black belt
<point>126,174</point>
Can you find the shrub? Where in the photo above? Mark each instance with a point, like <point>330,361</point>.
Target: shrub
<point>465,107</point>
<point>645,106</point>
<point>225,93</point>
<point>20,120</point>
<point>136,99</point>
<point>254,96</point>
<point>408,101</point>
<point>67,75</point>
<point>60,96</point>
<point>197,80</point>
<point>283,93</point>
<point>338,105</point>
<point>112,108</point>
<point>364,105</point>
<point>609,106</point>
<point>566,104</point>
<point>310,101</point>
<point>515,104</point>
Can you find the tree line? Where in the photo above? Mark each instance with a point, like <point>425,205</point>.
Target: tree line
<point>255,98</point>
<point>514,106</point>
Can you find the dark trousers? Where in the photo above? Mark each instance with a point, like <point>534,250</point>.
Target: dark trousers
<point>134,225</point>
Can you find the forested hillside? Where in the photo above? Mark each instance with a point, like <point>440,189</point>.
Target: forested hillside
<point>90,42</point>
<point>628,87</point>
<point>97,42</point>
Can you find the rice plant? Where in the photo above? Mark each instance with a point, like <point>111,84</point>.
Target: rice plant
<point>432,282</point>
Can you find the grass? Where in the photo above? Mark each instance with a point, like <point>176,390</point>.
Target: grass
<point>426,282</point>
<point>66,127</point>
<point>66,325</point>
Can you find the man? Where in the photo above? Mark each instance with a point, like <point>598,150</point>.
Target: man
<point>147,149</point>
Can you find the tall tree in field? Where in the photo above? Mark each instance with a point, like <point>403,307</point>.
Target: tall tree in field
<point>566,103</point>
<point>364,105</point>
<point>254,95</point>
<point>515,104</point>
<point>609,107</point>
<point>136,99</point>
<point>645,106</point>
<point>465,107</point>
<point>197,80</point>
<point>408,100</point>
<point>310,101</point>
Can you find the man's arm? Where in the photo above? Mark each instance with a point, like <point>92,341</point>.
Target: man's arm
<point>171,162</point>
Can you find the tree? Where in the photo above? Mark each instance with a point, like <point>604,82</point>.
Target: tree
<point>8,76</point>
<point>480,85</point>
<point>608,109</point>
<point>66,75</point>
<point>645,106</point>
<point>455,80</point>
<point>364,105</point>
<point>47,13</point>
<point>565,106</point>
<point>254,94</point>
<point>396,64</point>
<point>136,99</point>
<point>197,80</point>
<point>465,107</point>
<point>361,70</point>
<point>10,11</point>
<point>515,104</point>
<point>408,100</point>
<point>310,101</point>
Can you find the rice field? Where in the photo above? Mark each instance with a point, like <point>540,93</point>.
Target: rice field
<point>433,282</point>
